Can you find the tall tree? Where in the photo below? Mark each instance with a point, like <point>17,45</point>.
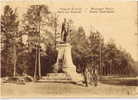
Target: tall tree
<point>9,30</point>
<point>36,19</point>
<point>79,48</point>
<point>87,52</point>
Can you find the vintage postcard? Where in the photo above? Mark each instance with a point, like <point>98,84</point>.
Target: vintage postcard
<point>68,48</point>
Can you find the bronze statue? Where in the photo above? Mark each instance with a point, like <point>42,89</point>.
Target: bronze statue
<point>64,31</point>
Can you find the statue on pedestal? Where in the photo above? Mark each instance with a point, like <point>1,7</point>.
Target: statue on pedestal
<point>64,60</point>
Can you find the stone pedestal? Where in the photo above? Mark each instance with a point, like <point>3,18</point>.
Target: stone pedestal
<point>64,62</point>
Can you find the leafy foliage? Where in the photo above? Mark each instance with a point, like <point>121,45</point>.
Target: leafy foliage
<point>9,31</point>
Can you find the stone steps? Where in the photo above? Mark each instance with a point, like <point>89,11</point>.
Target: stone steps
<point>55,81</point>
<point>56,76</point>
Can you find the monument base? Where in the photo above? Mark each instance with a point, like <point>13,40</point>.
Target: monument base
<point>74,76</point>
<point>64,62</point>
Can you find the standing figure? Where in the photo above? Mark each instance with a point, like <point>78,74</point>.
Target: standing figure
<point>95,76</point>
<point>64,31</point>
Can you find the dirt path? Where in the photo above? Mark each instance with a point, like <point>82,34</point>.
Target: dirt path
<point>65,90</point>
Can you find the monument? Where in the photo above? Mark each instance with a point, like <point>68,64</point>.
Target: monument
<point>64,63</point>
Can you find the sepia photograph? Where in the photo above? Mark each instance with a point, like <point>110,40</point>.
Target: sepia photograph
<point>68,48</point>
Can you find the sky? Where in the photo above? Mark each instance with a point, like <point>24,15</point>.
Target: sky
<point>120,25</point>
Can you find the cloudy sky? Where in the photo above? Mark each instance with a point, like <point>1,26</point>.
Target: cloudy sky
<point>118,25</point>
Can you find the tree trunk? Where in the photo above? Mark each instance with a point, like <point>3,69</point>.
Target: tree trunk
<point>39,64</point>
<point>35,73</point>
<point>14,58</point>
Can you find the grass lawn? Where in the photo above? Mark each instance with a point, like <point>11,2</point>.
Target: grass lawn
<point>55,89</point>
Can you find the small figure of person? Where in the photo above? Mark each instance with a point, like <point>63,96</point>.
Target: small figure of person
<point>85,74</point>
<point>95,77</point>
